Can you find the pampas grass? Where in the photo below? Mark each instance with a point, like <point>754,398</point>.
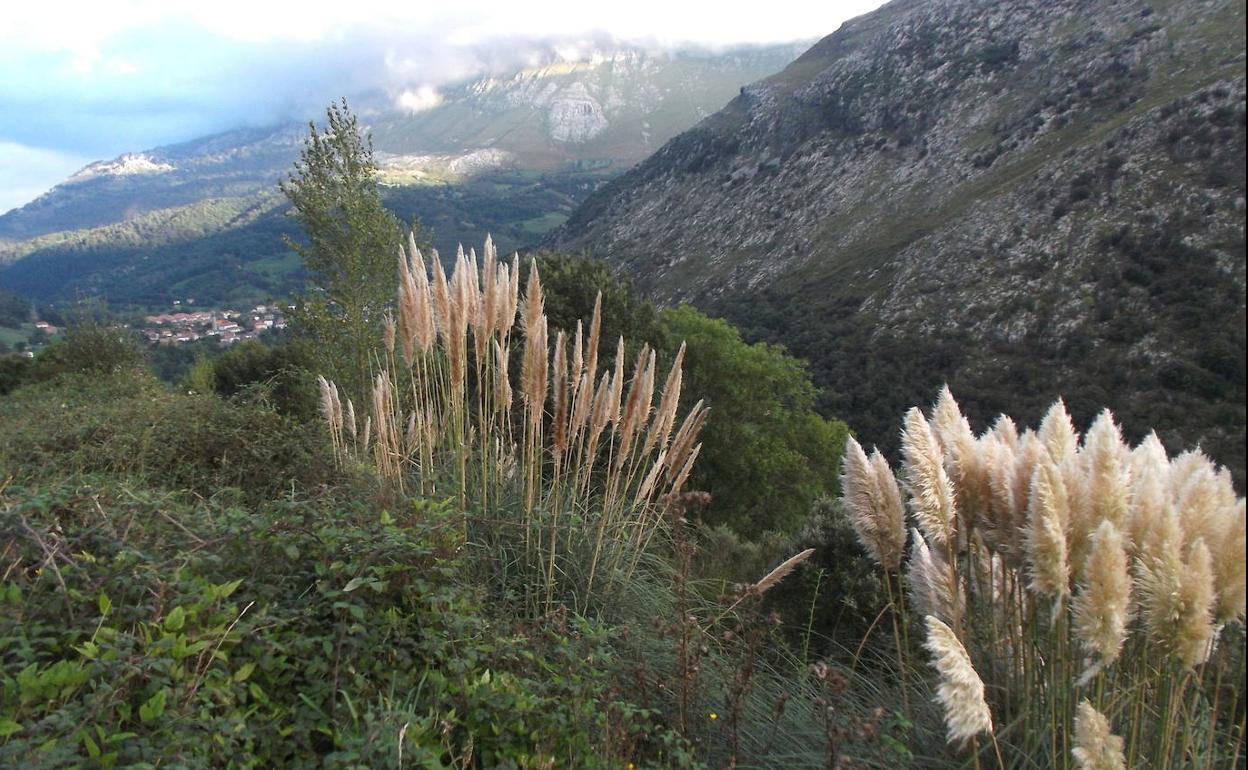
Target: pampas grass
<point>1071,568</point>
<point>586,455</point>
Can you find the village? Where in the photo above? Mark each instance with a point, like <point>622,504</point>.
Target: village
<point>225,325</point>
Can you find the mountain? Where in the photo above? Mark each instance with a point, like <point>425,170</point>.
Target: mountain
<point>510,153</point>
<point>1019,199</point>
<point>605,108</point>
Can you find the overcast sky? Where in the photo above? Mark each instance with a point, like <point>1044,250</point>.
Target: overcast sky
<point>83,80</point>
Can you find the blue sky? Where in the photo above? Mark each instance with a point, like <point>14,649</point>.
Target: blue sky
<point>81,81</point>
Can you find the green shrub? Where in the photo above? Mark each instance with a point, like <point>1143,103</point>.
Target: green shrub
<point>274,375</point>
<point>767,456</point>
<point>89,346</point>
<point>131,426</point>
<point>295,636</point>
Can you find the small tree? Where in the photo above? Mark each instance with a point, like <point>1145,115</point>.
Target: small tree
<point>351,249</point>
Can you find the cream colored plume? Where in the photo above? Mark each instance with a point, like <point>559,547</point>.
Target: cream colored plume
<point>1047,517</point>
<point>1228,567</point>
<point>870,496</point>
<point>1101,608</point>
<point>1096,747</point>
<point>963,460</point>
<point>931,492</point>
<point>932,582</point>
<point>961,691</point>
<point>1057,432</point>
<point>782,571</point>
<point>1177,597</point>
<point>1108,475</point>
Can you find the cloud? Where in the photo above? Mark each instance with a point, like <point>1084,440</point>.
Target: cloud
<point>29,171</point>
<point>415,100</point>
<point>98,79</point>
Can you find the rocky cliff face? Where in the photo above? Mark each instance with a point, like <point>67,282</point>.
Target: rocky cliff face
<point>1021,199</point>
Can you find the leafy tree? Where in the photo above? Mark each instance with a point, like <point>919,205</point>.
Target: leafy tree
<point>351,248</point>
<point>14,309</point>
<point>571,284</point>
<point>275,375</point>
<point>767,456</point>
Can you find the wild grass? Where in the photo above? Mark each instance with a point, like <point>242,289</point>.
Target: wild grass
<point>562,462</point>
<point>1095,589</point>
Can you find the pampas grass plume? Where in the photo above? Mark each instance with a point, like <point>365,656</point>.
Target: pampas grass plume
<point>867,497</point>
<point>1096,747</point>
<point>1057,432</point>
<point>930,489</point>
<point>1047,517</point>
<point>961,691</point>
<point>782,571</point>
<point>932,583</point>
<point>1102,608</point>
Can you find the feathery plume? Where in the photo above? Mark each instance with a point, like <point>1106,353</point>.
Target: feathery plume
<point>441,300</point>
<point>931,492</point>
<point>617,384</point>
<point>595,332</point>
<point>637,407</point>
<point>1177,596</point>
<point>1108,475</point>
<point>1057,432</point>
<point>534,302</point>
<point>502,382</point>
<point>891,526</point>
<point>577,362</point>
<point>864,496</point>
<point>932,583</point>
<point>1195,631</point>
<point>351,420</point>
<point>961,691</point>
<point>560,384</point>
<point>1006,431</point>
<point>1150,499</point>
<point>1101,607</point>
<point>685,470</point>
<point>1228,567</point>
<point>1184,465</point>
<point>388,332</point>
<point>685,437</point>
<point>1199,501</point>
<point>665,415</point>
<point>1096,747</point>
<point>424,327</point>
<point>780,572</point>
<point>1047,516</point>
<point>962,456</point>
<point>1000,519</point>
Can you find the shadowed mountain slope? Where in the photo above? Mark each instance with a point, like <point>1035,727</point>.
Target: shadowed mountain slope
<point>1020,199</point>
